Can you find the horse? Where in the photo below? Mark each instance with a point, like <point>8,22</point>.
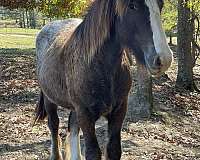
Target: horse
<point>82,66</point>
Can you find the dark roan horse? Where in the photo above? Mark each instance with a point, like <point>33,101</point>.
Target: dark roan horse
<point>82,66</point>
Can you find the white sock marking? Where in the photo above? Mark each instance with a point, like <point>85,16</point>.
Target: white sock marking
<point>75,146</point>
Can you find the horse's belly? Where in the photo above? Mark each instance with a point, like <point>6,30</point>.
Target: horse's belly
<point>59,99</point>
<point>56,94</point>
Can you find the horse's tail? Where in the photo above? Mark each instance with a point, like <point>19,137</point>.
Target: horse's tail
<point>40,112</point>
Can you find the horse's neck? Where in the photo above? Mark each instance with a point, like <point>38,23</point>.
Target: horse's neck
<point>107,57</point>
<point>111,54</point>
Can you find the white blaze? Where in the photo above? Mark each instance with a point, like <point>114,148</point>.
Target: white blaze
<point>159,36</point>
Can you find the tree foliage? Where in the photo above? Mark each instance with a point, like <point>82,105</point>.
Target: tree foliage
<point>170,15</point>
<point>50,8</point>
<point>194,5</point>
<point>16,4</point>
<point>62,8</point>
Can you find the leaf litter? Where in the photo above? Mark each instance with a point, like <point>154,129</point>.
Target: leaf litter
<point>172,133</point>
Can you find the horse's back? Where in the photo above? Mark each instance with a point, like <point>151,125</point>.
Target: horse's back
<point>50,32</point>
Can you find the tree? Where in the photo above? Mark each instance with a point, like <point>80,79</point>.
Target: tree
<point>62,8</point>
<point>169,18</point>
<point>184,51</point>
<point>141,102</point>
<point>50,8</point>
<point>53,9</point>
<point>15,4</point>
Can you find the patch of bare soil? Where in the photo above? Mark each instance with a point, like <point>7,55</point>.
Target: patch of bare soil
<point>172,133</point>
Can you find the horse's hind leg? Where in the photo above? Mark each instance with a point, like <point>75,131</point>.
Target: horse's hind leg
<point>72,147</point>
<point>53,124</point>
<point>115,122</point>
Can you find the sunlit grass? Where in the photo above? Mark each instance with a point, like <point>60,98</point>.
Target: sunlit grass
<point>23,31</point>
<point>17,38</point>
<point>16,41</point>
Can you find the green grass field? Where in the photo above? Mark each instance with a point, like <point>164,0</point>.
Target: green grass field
<point>21,31</point>
<point>22,38</point>
<point>17,38</point>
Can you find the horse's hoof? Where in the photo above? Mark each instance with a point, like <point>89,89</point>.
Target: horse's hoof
<point>64,155</point>
<point>68,156</point>
<point>56,157</point>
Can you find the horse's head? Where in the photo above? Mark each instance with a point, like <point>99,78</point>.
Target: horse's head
<point>140,29</point>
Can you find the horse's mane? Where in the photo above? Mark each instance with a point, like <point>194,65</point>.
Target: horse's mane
<point>90,35</point>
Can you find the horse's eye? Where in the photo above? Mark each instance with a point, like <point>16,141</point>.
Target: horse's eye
<point>133,5</point>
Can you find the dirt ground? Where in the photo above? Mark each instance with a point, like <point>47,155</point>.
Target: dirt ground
<point>173,132</point>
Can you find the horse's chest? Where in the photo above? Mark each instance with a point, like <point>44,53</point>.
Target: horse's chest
<point>91,87</point>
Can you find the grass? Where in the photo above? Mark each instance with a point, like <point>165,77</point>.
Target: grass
<point>7,22</point>
<point>20,31</point>
<point>17,38</point>
<point>10,41</point>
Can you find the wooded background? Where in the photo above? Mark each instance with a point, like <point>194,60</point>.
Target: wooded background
<point>173,99</point>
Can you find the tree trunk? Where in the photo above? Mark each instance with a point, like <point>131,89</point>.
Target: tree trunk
<point>20,20</point>
<point>141,102</point>
<point>27,19</point>
<point>32,19</point>
<point>184,50</point>
<point>170,39</point>
<point>43,22</point>
<point>23,19</point>
<point>193,53</point>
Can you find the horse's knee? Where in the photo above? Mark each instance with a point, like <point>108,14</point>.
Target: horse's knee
<point>113,151</point>
<point>87,125</point>
<point>56,157</point>
<point>113,148</point>
<point>53,120</point>
<point>93,154</point>
<point>115,121</point>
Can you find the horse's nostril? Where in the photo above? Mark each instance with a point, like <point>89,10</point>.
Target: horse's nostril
<point>158,62</point>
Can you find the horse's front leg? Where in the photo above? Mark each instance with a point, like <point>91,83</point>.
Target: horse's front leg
<point>87,125</point>
<point>53,124</point>
<point>115,122</point>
